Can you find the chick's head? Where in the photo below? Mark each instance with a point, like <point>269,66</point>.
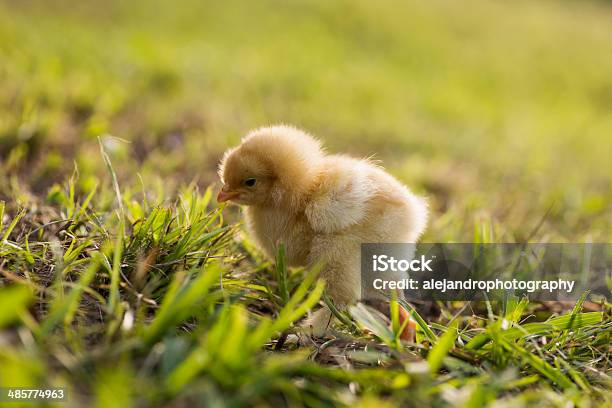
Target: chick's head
<point>247,178</point>
<point>271,165</point>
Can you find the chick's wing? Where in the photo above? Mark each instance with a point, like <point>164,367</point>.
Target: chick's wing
<point>341,194</point>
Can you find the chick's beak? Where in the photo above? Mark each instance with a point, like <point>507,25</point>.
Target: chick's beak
<point>226,195</point>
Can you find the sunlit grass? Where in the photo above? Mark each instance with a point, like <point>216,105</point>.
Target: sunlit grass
<point>121,281</point>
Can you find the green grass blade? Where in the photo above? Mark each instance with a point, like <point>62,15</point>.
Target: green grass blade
<point>566,322</point>
<point>14,300</point>
<point>116,268</point>
<point>444,344</point>
<point>431,336</point>
<point>179,302</point>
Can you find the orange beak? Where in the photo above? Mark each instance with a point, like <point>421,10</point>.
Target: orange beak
<point>225,195</point>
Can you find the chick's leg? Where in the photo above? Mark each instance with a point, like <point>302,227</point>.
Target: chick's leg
<point>339,258</point>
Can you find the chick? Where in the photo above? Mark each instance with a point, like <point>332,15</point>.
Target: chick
<point>322,207</point>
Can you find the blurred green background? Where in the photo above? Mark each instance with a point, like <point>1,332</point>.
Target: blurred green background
<point>499,112</point>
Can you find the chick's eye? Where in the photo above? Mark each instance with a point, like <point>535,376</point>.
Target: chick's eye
<point>250,182</point>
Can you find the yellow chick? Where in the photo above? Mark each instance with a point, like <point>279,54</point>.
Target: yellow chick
<point>322,207</point>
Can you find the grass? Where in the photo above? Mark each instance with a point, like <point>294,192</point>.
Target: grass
<point>123,282</point>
